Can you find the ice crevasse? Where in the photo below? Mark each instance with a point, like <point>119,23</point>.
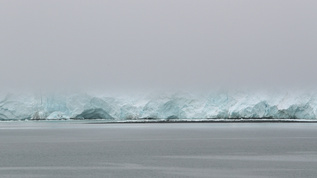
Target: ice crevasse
<point>181,105</point>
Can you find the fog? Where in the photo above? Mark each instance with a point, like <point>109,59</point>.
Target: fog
<point>157,44</point>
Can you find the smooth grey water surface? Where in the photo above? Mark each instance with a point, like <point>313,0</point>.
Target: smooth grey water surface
<point>76,149</point>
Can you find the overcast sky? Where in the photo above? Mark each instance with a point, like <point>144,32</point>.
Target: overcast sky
<point>163,43</point>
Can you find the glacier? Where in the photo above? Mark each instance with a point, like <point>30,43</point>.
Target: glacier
<point>177,105</point>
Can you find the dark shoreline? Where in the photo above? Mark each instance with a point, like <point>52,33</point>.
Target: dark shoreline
<point>144,121</point>
<point>203,121</point>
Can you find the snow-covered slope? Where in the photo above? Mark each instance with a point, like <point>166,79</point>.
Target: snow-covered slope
<point>279,105</point>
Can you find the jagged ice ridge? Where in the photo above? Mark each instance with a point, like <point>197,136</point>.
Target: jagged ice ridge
<point>182,105</point>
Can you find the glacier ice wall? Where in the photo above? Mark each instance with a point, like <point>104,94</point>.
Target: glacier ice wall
<point>181,105</point>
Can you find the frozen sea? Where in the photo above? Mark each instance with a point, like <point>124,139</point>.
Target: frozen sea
<point>78,149</point>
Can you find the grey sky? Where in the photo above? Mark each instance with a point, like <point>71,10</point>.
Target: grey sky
<point>109,44</point>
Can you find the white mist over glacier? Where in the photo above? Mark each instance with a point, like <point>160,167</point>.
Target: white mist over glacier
<point>160,105</point>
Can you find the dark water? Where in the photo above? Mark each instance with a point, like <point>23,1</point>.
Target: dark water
<point>63,149</point>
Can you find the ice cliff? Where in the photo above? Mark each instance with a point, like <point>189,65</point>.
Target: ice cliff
<point>182,105</point>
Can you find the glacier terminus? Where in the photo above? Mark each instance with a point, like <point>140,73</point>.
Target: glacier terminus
<point>177,105</point>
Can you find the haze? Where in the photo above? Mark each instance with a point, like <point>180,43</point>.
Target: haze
<point>163,43</point>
